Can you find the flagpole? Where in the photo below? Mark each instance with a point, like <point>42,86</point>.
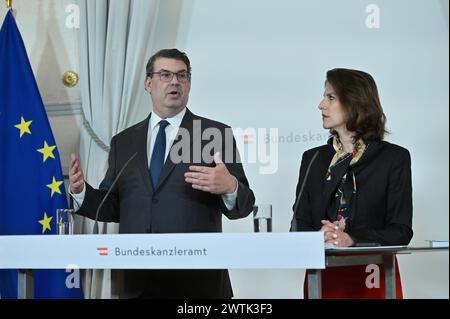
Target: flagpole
<point>8,4</point>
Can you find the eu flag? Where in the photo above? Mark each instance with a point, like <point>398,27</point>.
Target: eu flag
<point>31,181</point>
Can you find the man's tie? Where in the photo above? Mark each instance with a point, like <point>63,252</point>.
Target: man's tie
<point>159,154</point>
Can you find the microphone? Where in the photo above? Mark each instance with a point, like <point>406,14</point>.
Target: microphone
<point>297,201</point>
<point>95,230</point>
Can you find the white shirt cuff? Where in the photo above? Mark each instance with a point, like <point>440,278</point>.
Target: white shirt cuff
<point>78,199</point>
<point>230,199</point>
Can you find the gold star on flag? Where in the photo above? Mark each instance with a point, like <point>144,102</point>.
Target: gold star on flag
<point>46,223</point>
<point>24,127</point>
<point>47,151</point>
<point>54,186</point>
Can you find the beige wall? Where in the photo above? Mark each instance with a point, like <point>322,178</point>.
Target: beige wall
<point>52,47</point>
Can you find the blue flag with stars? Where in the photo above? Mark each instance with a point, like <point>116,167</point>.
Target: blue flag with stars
<point>31,181</point>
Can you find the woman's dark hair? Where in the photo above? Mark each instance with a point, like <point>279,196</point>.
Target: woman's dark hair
<point>358,94</point>
<point>170,54</point>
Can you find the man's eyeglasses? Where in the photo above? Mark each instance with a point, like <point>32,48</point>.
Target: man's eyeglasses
<point>167,76</point>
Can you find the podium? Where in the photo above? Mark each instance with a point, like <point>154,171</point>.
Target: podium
<point>160,251</point>
<point>295,250</point>
<point>353,256</point>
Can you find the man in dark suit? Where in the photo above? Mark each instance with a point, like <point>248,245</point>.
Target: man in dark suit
<point>186,173</point>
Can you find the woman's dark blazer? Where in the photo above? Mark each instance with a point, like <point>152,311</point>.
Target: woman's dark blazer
<point>381,208</point>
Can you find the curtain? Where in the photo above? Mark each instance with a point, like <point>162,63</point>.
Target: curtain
<point>116,38</point>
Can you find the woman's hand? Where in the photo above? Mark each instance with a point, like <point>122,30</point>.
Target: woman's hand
<point>334,235</point>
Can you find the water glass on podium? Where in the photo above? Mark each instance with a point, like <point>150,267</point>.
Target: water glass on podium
<point>262,218</point>
<point>64,221</point>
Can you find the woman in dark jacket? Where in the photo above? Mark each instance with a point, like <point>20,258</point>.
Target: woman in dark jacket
<point>358,188</point>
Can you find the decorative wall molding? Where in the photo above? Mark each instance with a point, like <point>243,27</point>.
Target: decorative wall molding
<point>63,108</point>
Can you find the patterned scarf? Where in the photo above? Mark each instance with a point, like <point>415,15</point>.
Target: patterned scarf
<point>345,189</point>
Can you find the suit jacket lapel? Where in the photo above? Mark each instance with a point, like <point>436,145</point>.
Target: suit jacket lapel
<point>140,144</point>
<point>169,164</point>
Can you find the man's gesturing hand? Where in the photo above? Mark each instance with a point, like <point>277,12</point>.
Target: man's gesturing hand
<point>215,180</point>
<point>76,176</point>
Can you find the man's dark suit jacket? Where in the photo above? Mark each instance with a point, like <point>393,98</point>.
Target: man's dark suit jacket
<point>381,208</point>
<point>173,207</point>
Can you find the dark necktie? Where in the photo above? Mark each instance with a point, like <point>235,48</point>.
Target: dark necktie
<point>158,155</point>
